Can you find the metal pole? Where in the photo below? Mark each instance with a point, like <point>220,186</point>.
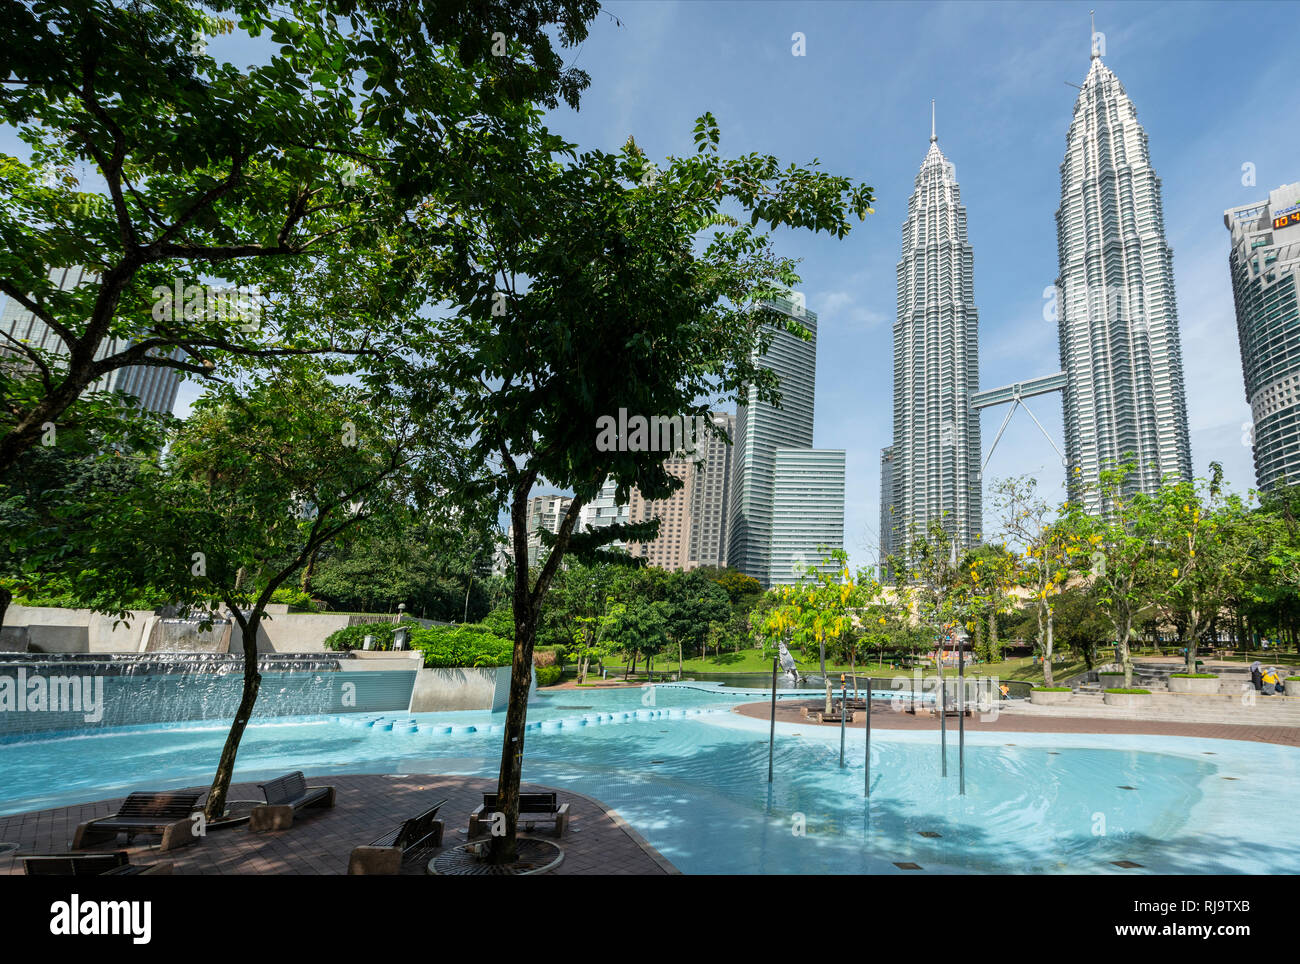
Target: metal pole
<point>771,737</point>
<point>961,714</point>
<point>866,787</point>
<point>942,704</point>
<point>844,711</point>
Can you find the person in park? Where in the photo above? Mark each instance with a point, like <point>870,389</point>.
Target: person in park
<point>1256,676</point>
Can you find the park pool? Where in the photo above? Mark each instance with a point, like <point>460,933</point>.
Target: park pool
<point>691,777</point>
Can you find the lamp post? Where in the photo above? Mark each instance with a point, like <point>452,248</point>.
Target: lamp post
<point>959,634</point>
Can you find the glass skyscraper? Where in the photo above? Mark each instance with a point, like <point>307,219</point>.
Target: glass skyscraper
<point>1264,260</point>
<point>762,431</point>
<point>1116,315</point>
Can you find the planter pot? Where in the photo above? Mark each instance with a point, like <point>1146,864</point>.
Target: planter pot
<point>1183,684</point>
<point>1043,698</point>
<point>1127,699</point>
<point>1111,680</point>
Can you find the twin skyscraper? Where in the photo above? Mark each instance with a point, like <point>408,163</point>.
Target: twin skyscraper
<point>1113,301</point>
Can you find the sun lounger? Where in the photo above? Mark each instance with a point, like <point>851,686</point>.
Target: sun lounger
<point>166,812</point>
<point>284,797</point>
<point>113,864</point>
<point>386,855</point>
<point>534,808</point>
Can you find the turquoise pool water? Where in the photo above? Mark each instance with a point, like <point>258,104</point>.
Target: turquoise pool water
<point>691,777</point>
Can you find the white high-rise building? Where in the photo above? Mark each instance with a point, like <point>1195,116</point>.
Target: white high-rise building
<point>1118,322</point>
<point>931,471</point>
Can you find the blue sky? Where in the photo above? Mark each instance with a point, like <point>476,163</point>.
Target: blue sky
<point>1209,92</point>
<point>1212,87</point>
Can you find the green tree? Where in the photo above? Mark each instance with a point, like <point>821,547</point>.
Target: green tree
<point>298,175</point>
<point>582,285</point>
<point>257,479</point>
<point>1115,553</point>
<point>1027,521</point>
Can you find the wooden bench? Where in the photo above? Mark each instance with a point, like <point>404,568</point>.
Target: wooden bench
<point>113,864</point>
<point>166,812</point>
<point>284,797</point>
<point>533,808</point>
<point>387,854</point>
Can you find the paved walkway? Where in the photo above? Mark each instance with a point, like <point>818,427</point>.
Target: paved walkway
<point>883,717</point>
<point>597,840</point>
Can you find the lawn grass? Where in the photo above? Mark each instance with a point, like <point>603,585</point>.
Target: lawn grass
<point>752,661</point>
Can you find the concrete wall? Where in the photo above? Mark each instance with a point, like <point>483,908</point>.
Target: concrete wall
<point>291,632</point>
<point>463,688</point>
<point>52,630</point>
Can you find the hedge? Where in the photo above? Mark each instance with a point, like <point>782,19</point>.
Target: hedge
<point>1052,689</point>
<point>1194,675</point>
<point>466,645</point>
<point>548,675</point>
<point>1131,692</point>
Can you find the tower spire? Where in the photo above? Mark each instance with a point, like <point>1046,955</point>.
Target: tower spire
<point>1092,38</point>
<point>932,136</point>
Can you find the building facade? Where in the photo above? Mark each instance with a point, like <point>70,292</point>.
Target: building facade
<point>712,486</point>
<point>1117,318</point>
<point>544,512</point>
<point>1263,261</point>
<point>153,387</point>
<point>933,463</point>
<point>886,548</point>
<point>807,512</point>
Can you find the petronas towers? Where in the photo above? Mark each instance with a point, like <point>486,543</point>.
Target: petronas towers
<point>1122,372</point>
<point>936,451</point>
<point>1124,400</point>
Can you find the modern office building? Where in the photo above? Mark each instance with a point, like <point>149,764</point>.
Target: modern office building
<point>1264,259</point>
<point>712,485</point>
<point>761,430</point>
<point>1118,322</point>
<point>934,461</point>
<point>544,512</point>
<point>807,512</point>
<point>155,388</point>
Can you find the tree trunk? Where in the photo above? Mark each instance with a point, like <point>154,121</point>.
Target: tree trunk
<point>512,750</point>
<point>308,571</point>
<point>853,670</point>
<point>679,661</point>
<point>216,805</point>
<point>1047,653</point>
<point>994,650</point>
<point>1122,630</point>
<point>6,597</point>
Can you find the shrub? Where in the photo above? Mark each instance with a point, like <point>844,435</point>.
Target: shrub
<point>470,644</point>
<point>1129,692</point>
<point>353,637</point>
<point>294,599</point>
<point>548,675</point>
<point>1052,689</point>
<point>501,621</point>
<point>1195,675</point>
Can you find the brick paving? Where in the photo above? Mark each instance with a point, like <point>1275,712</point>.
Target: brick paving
<point>883,717</point>
<point>597,840</point>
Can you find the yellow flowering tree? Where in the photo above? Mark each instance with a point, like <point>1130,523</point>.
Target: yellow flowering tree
<point>1043,565</point>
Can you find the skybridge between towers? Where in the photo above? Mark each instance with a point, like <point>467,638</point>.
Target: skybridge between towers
<point>1015,394</point>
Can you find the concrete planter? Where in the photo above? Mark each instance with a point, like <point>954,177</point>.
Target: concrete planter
<point>1184,684</point>
<point>1112,680</point>
<point>1127,699</point>
<point>1045,698</point>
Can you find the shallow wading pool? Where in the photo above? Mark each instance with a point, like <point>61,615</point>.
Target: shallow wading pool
<point>691,777</point>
